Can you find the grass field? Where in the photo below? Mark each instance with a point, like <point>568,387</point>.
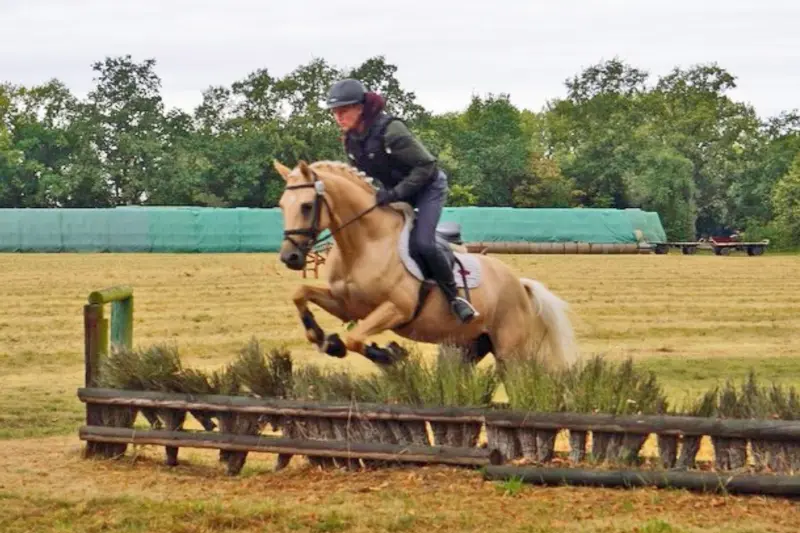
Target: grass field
<point>693,320</point>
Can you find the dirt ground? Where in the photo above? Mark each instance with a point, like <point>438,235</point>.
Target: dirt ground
<point>47,486</point>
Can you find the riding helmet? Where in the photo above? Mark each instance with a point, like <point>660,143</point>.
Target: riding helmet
<point>345,92</point>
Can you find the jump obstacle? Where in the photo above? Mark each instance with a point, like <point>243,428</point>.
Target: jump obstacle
<point>750,456</point>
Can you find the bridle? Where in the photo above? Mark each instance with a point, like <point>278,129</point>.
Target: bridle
<point>313,231</point>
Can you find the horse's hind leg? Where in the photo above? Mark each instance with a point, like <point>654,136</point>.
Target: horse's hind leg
<point>474,352</point>
<point>322,297</point>
<point>479,349</point>
<point>515,339</point>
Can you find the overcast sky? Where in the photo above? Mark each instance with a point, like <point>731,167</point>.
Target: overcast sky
<point>445,50</point>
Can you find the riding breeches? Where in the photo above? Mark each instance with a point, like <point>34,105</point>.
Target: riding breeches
<point>429,204</point>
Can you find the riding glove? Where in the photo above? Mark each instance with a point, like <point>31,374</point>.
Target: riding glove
<point>385,196</point>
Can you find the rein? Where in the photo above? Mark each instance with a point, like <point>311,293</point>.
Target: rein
<point>313,231</point>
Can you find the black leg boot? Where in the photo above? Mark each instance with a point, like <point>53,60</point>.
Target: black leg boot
<point>443,275</point>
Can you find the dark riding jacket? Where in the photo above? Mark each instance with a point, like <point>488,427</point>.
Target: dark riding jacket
<point>390,153</point>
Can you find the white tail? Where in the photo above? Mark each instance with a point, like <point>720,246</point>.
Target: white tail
<point>553,312</point>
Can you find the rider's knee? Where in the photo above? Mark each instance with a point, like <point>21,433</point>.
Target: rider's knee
<point>424,247</point>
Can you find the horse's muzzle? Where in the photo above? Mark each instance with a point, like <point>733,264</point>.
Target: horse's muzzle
<point>293,259</point>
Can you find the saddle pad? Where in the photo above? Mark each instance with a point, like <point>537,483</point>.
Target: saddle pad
<point>472,267</point>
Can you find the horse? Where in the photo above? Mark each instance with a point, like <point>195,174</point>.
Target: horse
<point>373,280</point>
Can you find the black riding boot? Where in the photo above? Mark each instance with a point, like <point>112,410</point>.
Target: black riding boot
<point>443,274</point>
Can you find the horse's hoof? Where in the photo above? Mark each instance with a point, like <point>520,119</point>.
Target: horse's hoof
<point>397,351</point>
<point>385,356</point>
<point>334,346</point>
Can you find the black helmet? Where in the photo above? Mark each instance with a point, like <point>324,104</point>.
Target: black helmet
<point>345,92</point>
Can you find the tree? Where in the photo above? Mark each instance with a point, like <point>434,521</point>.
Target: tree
<point>546,186</point>
<point>40,140</point>
<point>663,183</point>
<point>592,132</point>
<point>491,149</point>
<point>778,143</point>
<point>181,171</point>
<point>125,122</point>
<point>301,93</point>
<point>379,76</point>
<point>613,77</point>
<point>461,196</point>
<point>259,99</point>
<point>10,158</point>
<point>720,137</point>
<point>786,203</point>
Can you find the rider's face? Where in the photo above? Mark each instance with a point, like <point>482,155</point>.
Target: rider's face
<point>347,116</point>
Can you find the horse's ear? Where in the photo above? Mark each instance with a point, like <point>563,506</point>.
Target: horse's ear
<point>303,166</point>
<point>282,169</point>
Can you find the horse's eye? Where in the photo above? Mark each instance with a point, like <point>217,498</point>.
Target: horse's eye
<point>306,208</point>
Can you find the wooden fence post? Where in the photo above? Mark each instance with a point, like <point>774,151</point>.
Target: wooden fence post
<point>100,333</point>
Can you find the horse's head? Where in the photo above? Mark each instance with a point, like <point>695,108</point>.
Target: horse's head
<point>306,213</point>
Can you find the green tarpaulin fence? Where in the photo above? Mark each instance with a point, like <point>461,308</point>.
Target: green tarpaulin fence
<point>194,229</point>
<point>649,223</point>
<point>613,226</point>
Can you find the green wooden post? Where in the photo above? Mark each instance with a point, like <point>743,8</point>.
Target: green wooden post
<point>111,294</point>
<point>102,330</point>
<point>122,322</point>
<point>120,332</point>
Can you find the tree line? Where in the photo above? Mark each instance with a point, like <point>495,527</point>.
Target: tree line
<point>678,145</point>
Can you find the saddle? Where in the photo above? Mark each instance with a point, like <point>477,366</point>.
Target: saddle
<point>449,232</point>
<point>465,266</point>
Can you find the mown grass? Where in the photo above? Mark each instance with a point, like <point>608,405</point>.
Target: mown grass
<point>30,410</point>
<point>682,376</point>
<point>693,321</point>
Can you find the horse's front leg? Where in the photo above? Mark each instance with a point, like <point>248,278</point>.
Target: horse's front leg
<point>386,316</point>
<point>322,297</point>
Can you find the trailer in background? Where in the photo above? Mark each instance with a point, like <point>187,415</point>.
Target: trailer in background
<point>720,246</point>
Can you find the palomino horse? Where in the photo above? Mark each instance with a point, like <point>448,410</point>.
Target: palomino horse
<point>373,280</point>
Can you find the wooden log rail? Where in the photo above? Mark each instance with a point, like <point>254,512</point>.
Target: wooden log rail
<point>454,428</point>
<point>646,424</point>
<point>511,435</point>
<point>526,247</point>
<point>642,424</point>
<point>280,445</point>
<point>775,443</point>
<point>276,406</point>
<point>772,485</point>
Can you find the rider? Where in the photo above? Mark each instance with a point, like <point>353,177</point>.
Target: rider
<point>382,147</point>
